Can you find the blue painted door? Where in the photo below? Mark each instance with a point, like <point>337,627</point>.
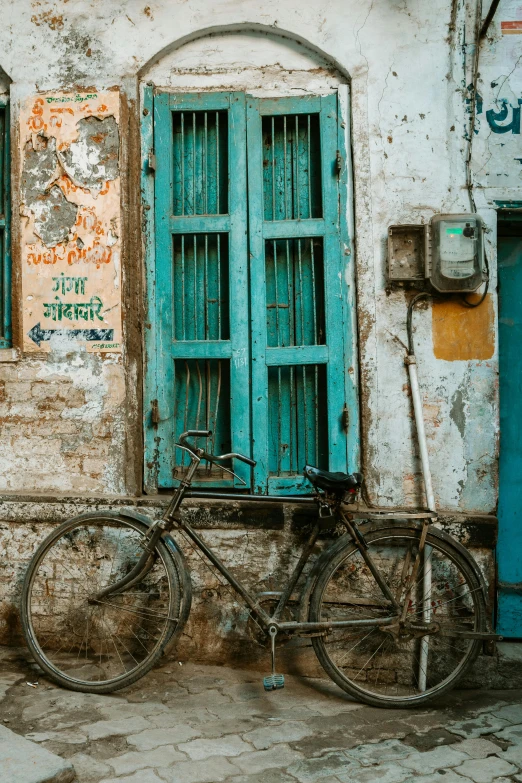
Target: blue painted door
<point>201,282</point>
<point>300,361</point>
<point>509,547</point>
<point>250,332</point>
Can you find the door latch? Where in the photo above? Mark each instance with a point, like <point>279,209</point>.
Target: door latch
<point>338,162</point>
<point>346,418</point>
<point>155,416</point>
<point>151,162</point>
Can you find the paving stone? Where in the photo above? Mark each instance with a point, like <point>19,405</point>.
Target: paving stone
<point>122,709</point>
<point>231,745</point>
<point>220,728</point>
<point>511,712</point>
<point>145,776</point>
<point>163,756</point>
<point>479,748</point>
<point>478,726</point>
<point>511,733</point>
<point>22,761</point>
<point>439,758</point>
<point>172,719</point>
<point>67,737</point>
<point>153,738</point>
<point>335,764</point>
<point>389,772</point>
<point>88,768</point>
<point>258,760</point>
<point>212,770</point>
<point>272,776</point>
<point>512,754</point>
<point>375,753</point>
<point>266,736</point>
<point>450,776</point>
<point>115,728</point>
<point>486,770</point>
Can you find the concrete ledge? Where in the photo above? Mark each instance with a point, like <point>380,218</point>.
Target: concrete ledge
<point>22,761</point>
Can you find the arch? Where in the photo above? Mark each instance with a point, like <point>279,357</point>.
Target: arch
<point>243,27</point>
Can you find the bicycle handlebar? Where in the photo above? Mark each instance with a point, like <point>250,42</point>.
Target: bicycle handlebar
<point>211,457</point>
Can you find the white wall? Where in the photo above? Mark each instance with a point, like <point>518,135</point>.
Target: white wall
<point>408,74</point>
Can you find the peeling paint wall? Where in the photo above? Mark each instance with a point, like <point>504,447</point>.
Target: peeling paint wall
<point>70,418</point>
<point>70,210</point>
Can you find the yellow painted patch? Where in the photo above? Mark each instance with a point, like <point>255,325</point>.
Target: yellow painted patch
<point>461,333</point>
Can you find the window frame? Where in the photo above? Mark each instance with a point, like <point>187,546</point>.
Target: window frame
<point>329,229</point>
<point>155,387</point>
<point>160,441</point>
<point>5,224</point>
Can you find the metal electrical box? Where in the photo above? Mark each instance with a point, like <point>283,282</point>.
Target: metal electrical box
<point>448,253</point>
<point>457,252</point>
<point>406,253</point>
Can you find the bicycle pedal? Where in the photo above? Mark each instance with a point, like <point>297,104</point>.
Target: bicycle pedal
<point>274,682</point>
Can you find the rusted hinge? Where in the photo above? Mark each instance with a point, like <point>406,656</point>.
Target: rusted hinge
<point>346,418</point>
<point>338,162</point>
<point>155,416</point>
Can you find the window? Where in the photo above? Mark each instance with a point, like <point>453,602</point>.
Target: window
<point>5,236</point>
<point>247,298</point>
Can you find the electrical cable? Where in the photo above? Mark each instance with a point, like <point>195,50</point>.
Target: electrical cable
<point>479,34</point>
<point>409,317</point>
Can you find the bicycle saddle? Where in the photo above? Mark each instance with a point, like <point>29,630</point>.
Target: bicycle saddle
<point>332,482</point>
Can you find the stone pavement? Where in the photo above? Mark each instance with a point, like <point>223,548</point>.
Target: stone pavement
<point>190,723</point>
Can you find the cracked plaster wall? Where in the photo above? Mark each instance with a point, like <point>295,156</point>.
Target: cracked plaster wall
<point>62,416</point>
<point>408,65</point>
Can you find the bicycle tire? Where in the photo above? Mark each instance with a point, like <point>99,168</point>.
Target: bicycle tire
<point>347,571</point>
<point>81,542</point>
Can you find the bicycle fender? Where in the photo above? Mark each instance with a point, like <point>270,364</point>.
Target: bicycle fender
<point>178,558</point>
<point>182,568</point>
<point>371,527</point>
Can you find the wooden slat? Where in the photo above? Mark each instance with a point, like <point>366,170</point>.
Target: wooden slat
<point>291,404</point>
<point>279,229</point>
<point>194,289</point>
<point>199,224</point>
<point>297,354</point>
<point>202,349</point>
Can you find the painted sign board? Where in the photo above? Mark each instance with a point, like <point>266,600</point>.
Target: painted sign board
<point>70,221</point>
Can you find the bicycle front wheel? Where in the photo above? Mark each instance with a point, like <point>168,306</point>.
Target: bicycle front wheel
<point>92,645</point>
<point>398,666</point>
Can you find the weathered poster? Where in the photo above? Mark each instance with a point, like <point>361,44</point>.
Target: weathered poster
<point>70,215</point>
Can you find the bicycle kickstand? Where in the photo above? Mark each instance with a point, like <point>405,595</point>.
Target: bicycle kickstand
<point>273,682</point>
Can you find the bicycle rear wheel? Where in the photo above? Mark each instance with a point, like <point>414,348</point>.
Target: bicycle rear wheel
<point>383,665</point>
<point>92,645</point>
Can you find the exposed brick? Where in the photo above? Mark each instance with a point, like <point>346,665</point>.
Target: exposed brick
<point>18,391</point>
<point>94,467</point>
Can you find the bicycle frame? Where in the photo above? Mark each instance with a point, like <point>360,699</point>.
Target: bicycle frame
<point>170,520</point>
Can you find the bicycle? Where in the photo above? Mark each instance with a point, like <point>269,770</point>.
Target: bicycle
<point>106,593</point>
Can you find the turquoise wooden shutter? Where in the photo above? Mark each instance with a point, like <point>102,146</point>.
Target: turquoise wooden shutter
<point>299,360</point>
<point>201,283</point>
<point>5,237</point>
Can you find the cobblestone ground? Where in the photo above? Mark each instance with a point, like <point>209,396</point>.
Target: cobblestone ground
<point>189,723</point>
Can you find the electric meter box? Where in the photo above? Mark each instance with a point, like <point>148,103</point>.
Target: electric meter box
<point>457,253</point>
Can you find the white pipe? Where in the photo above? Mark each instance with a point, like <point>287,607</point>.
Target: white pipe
<point>430,501</point>
<point>421,435</point>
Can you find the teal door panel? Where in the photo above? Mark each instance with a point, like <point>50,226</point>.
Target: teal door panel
<point>509,547</point>
<point>249,328</point>
<point>201,279</point>
<point>299,352</point>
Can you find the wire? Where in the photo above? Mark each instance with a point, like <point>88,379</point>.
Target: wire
<point>479,34</point>
<point>409,317</point>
